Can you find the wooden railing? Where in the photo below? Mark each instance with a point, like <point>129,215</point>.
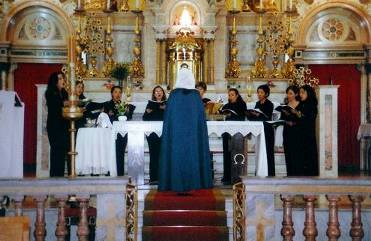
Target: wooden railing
<point>256,214</point>
<point>112,213</point>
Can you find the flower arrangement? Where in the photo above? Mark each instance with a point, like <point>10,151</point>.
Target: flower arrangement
<point>303,76</point>
<point>122,108</point>
<point>121,71</point>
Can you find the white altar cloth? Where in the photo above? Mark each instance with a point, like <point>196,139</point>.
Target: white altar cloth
<point>136,131</point>
<point>95,153</point>
<point>11,132</point>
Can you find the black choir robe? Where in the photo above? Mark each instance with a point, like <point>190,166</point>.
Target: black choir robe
<point>292,142</point>
<point>111,108</point>
<point>267,109</point>
<point>57,128</point>
<point>154,142</point>
<point>239,107</point>
<point>308,133</point>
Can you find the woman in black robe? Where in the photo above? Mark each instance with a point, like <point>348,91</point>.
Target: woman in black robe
<point>266,106</point>
<point>155,112</point>
<point>292,143</point>
<point>202,88</point>
<point>235,111</point>
<point>308,130</point>
<point>57,127</point>
<point>112,108</point>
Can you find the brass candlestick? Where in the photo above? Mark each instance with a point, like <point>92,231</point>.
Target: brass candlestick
<point>137,65</point>
<point>233,68</point>
<point>260,70</point>
<point>289,67</point>
<point>110,63</point>
<point>72,113</point>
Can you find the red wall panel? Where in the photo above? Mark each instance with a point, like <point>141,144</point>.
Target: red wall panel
<point>25,78</point>
<point>349,108</point>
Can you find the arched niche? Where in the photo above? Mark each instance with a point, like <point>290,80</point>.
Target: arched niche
<point>42,24</point>
<point>37,26</point>
<point>332,25</point>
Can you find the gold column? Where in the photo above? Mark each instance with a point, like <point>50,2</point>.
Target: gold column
<point>163,62</point>
<point>172,69</point>
<point>205,65</point>
<point>212,62</point>
<point>158,61</point>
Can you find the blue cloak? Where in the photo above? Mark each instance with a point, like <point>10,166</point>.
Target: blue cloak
<point>185,154</point>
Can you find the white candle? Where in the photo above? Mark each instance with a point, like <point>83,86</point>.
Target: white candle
<point>137,4</point>
<point>109,28</point>
<point>261,4</point>
<point>234,7</point>
<point>3,80</point>
<point>290,4</point>
<point>79,5</point>
<point>108,4</point>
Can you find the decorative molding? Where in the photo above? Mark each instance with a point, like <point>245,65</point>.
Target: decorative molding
<point>331,56</point>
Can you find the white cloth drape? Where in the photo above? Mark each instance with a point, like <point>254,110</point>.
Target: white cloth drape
<point>11,132</point>
<point>94,151</point>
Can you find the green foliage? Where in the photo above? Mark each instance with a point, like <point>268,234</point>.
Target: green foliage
<point>121,71</point>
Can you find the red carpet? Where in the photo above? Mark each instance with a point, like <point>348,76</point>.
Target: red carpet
<point>200,216</point>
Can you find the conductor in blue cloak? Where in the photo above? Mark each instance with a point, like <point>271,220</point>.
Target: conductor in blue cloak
<point>185,163</point>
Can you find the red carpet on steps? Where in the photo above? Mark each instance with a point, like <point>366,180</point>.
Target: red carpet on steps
<point>200,216</point>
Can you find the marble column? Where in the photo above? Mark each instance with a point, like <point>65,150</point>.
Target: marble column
<point>42,148</point>
<point>209,54</point>
<point>221,40</point>
<point>10,84</point>
<point>327,130</point>
<point>205,63</point>
<point>149,49</point>
<point>160,36</point>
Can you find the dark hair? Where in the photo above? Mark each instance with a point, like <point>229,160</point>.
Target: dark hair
<point>52,88</point>
<point>53,81</point>
<point>294,89</point>
<point>312,98</point>
<point>163,91</point>
<point>116,87</point>
<point>264,88</point>
<point>184,65</point>
<point>239,98</point>
<point>201,85</point>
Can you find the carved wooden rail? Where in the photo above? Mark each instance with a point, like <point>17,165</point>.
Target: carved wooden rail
<point>310,188</point>
<point>106,191</point>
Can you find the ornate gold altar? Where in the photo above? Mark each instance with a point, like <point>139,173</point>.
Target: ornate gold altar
<point>184,49</point>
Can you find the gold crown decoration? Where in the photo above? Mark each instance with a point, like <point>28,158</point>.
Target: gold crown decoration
<point>303,76</point>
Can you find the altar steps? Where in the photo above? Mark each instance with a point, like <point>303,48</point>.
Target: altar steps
<point>198,216</point>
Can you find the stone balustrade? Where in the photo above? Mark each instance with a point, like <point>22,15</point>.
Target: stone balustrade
<point>109,202</point>
<point>310,209</point>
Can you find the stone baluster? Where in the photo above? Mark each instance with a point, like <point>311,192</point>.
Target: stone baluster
<point>40,231</point>
<point>83,229</point>
<point>333,231</point>
<point>356,230</point>
<point>18,201</point>
<point>61,230</point>
<point>287,230</point>
<point>310,231</point>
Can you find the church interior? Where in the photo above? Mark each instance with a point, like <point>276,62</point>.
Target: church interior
<point>118,59</point>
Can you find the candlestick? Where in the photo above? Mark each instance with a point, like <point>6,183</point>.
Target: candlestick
<point>71,49</point>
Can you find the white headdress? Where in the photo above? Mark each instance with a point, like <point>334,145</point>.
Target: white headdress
<point>185,79</point>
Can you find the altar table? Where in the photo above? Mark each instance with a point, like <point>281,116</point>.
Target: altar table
<point>136,130</point>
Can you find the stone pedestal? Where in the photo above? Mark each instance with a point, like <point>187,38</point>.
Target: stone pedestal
<point>327,130</point>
